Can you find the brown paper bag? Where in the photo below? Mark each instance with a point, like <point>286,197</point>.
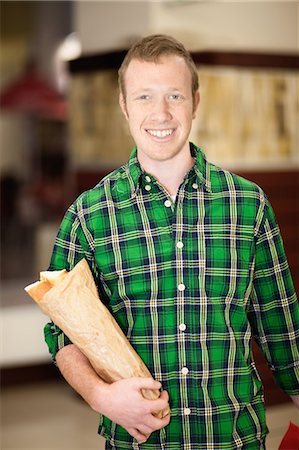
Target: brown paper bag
<point>71,300</point>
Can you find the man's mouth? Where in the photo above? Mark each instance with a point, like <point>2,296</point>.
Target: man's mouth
<point>160,133</point>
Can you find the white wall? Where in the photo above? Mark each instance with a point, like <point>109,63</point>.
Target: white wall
<point>268,26</point>
<point>22,335</point>
<point>21,321</point>
<point>242,26</point>
<point>109,25</point>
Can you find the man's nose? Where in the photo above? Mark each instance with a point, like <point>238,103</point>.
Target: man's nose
<point>161,110</point>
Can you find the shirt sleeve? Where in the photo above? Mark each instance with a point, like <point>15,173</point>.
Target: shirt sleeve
<point>72,244</point>
<point>274,311</point>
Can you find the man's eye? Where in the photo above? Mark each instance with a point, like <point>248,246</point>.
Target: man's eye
<point>175,97</point>
<point>143,97</point>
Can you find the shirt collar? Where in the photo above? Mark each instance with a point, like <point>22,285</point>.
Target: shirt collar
<point>134,172</point>
<point>201,169</point>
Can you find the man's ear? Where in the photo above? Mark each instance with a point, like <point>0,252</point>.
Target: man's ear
<point>195,103</point>
<point>123,106</point>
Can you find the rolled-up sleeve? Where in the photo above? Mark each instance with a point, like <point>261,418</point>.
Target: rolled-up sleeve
<point>71,245</point>
<point>274,311</point>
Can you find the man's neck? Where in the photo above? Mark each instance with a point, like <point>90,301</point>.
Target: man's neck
<point>170,173</point>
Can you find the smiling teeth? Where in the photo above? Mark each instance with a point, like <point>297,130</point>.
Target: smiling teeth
<point>160,133</point>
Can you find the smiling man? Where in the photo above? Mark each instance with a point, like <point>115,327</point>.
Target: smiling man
<point>189,259</point>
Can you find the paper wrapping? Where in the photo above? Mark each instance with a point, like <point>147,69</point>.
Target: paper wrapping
<point>73,304</point>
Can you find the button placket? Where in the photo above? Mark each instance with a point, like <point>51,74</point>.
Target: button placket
<point>181,287</point>
<point>147,180</point>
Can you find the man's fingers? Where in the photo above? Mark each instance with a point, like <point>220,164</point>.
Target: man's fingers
<point>147,383</point>
<point>145,430</point>
<point>164,395</point>
<point>166,411</point>
<point>154,423</point>
<point>159,404</point>
<point>140,438</point>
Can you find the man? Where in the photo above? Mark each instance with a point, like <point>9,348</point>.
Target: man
<point>189,259</point>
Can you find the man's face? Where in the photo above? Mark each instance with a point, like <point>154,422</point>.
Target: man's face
<point>159,107</point>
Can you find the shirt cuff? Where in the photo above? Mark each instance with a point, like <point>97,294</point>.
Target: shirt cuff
<point>55,339</point>
<point>288,379</point>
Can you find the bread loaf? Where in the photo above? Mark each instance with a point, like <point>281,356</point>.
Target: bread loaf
<point>71,300</point>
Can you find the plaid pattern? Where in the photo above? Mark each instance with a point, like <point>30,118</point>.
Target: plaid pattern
<point>190,283</point>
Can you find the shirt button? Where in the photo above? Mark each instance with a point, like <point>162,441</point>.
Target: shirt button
<point>195,186</point>
<point>187,411</point>
<point>182,327</point>
<point>148,179</point>
<point>180,244</point>
<point>147,187</point>
<point>181,287</point>
<point>185,370</point>
<point>167,203</point>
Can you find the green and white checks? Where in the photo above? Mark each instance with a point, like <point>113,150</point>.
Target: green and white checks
<point>190,283</point>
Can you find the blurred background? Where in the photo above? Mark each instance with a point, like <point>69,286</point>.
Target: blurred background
<point>61,130</point>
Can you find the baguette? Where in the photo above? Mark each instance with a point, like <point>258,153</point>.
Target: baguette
<point>48,279</point>
<point>71,300</point>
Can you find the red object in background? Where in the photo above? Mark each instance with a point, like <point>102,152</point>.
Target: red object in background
<point>31,94</point>
<point>290,440</point>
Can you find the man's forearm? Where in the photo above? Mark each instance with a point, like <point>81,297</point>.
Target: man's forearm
<point>122,401</point>
<point>80,374</point>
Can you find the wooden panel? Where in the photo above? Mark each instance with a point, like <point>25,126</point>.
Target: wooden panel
<point>11,376</point>
<point>112,60</point>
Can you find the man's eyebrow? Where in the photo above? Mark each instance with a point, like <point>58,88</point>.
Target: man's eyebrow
<point>146,90</point>
<point>139,90</point>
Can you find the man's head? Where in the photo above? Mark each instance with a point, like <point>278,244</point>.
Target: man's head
<point>159,98</point>
<point>151,49</point>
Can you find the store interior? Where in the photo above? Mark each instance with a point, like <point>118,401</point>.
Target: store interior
<point>58,119</point>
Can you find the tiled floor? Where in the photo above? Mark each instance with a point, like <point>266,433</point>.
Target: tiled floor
<point>51,416</point>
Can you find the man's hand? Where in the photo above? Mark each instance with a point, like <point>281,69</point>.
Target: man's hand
<point>124,404</point>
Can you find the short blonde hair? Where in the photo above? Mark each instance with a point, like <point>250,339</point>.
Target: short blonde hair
<point>150,49</point>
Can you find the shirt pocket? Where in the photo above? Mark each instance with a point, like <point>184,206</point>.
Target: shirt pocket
<point>228,266</point>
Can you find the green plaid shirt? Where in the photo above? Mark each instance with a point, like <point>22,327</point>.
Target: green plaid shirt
<point>190,283</point>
